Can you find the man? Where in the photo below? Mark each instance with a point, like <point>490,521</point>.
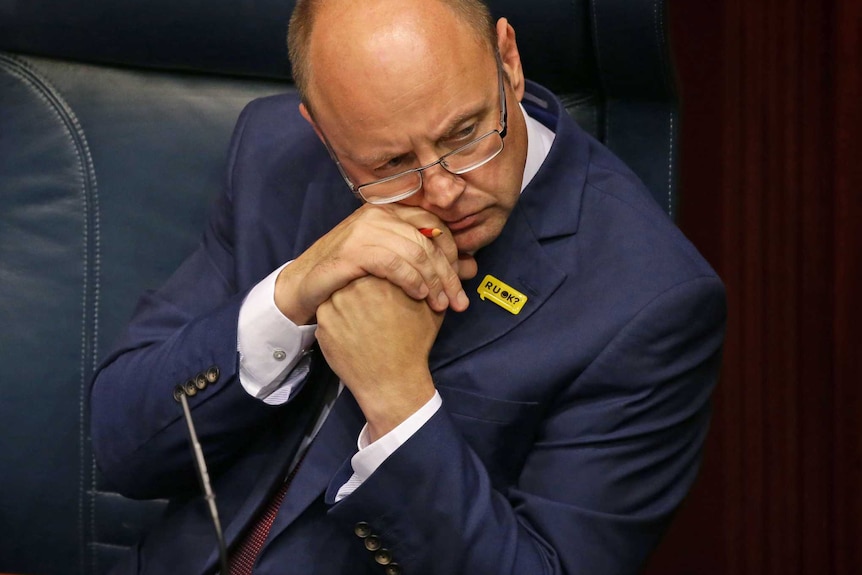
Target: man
<point>525,392</point>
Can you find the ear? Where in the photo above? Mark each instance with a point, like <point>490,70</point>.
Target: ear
<point>510,56</point>
<point>307,115</point>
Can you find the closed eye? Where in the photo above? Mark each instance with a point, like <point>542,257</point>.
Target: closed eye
<point>463,135</point>
<point>392,164</point>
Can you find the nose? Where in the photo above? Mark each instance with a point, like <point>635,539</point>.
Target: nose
<point>441,188</point>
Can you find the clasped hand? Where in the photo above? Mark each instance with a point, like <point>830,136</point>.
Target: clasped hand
<point>380,241</point>
<point>378,289</point>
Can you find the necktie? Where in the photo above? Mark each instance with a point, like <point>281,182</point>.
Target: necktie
<point>243,558</point>
<point>323,386</point>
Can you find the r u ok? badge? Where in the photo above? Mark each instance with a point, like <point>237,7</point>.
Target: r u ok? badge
<point>501,294</point>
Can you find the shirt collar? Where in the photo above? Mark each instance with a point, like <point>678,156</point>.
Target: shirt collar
<point>539,141</point>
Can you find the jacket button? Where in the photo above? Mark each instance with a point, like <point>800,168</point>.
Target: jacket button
<point>393,569</point>
<point>362,529</point>
<point>383,557</point>
<point>190,387</point>
<point>212,374</point>
<point>178,393</point>
<point>372,543</point>
<point>200,381</point>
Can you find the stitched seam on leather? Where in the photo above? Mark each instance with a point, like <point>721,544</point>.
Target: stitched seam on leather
<point>55,103</point>
<point>670,167</point>
<point>658,16</point>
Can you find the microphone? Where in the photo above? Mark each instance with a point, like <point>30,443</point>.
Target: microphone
<point>203,476</point>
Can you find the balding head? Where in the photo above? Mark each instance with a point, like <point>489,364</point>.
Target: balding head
<point>348,29</point>
<point>390,85</point>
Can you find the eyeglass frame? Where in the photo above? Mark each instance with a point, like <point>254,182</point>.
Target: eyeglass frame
<point>357,190</point>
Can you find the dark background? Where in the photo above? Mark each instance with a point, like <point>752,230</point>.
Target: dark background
<point>771,193</point>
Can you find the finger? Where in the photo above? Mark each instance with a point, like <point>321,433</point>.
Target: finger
<point>445,242</point>
<point>467,266</point>
<point>400,264</point>
<point>441,277</point>
<point>398,251</point>
<point>450,276</point>
<point>419,268</point>
<point>428,225</point>
<point>435,260</point>
<point>448,292</point>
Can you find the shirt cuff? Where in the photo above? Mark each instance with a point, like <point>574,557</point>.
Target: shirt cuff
<point>372,455</point>
<point>270,345</point>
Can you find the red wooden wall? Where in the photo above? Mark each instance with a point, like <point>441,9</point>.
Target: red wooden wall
<point>771,192</point>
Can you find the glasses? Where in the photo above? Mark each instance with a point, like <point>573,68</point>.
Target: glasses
<point>461,160</point>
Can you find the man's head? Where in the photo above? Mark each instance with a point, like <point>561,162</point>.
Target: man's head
<point>395,84</point>
<point>473,13</point>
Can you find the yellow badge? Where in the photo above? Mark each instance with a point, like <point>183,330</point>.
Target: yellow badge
<point>502,294</point>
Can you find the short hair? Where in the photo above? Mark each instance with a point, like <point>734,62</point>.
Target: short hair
<point>474,13</point>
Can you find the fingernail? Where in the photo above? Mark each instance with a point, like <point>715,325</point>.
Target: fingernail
<point>442,300</point>
<point>462,300</point>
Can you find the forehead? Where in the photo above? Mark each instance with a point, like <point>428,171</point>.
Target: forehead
<point>405,70</point>
<point>398,117</point>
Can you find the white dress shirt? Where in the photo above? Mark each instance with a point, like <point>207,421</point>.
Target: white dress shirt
<point>273,351</point>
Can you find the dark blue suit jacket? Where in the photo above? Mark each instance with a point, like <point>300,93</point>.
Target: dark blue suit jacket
<point>568,434</point>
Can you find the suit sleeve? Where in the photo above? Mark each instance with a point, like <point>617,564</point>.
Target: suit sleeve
<point>616,453</point>
<point>186,329</point>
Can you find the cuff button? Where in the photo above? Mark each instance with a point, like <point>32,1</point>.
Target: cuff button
<point>279,355</point>
<point>393,569</point>
<point>200,381</point>
<point>178,393</point>
<point>190,388</point>
<point>362,529</point>
<point>383,557</point>
<point>372,543</point>
<point>212,374</point>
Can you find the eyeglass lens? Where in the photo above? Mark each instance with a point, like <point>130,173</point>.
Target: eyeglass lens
<point>459,161</point>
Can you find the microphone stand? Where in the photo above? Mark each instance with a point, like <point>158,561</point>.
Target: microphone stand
<point>204,477</point>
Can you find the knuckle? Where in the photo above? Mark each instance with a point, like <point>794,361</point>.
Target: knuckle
<point>413,281</point>
<point>392,263</point>
<point>452,284</point>
<point>418,253</point>
<point>397,270</point>
<point>435,283</point>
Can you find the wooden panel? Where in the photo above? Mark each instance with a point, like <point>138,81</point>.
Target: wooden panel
<point>848,288</point>
<point>771,192</point>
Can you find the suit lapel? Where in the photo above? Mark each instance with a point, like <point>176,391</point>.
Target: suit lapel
<point>515,258</point>
<point>335,442</point>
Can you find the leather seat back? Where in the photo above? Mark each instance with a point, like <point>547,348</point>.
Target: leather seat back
<point>114,122</point>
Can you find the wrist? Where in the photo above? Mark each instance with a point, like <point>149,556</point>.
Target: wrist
<point>286,295</point>
<point>385,412</point>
